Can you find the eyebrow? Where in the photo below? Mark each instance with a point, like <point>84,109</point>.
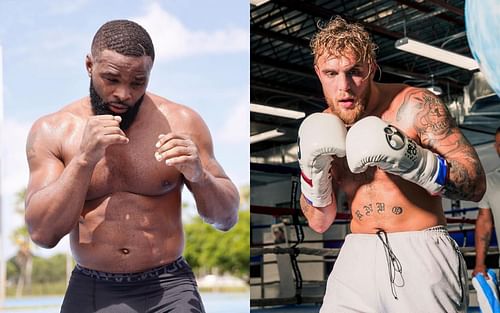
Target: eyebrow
<point>140,76</point>
<point>109,73</point>
<point>355,66</point>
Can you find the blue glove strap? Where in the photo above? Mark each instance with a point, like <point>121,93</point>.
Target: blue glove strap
<point>442,171</point>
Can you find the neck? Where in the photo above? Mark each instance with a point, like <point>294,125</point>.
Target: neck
<point>374,104</point>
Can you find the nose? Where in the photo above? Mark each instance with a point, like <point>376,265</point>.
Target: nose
<point>122,93</point>
<point>344,82</point>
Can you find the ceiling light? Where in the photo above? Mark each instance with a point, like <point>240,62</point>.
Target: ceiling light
<point>435,90</point>
<point>428,51</point>
<point>264,109</point>
<point>266,135</point>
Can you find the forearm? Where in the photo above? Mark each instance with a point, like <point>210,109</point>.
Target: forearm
<point>217,200</point>
<point>466,179</point>
<point>482,241</point>
<point>53,211</point>
<point>319,219</point>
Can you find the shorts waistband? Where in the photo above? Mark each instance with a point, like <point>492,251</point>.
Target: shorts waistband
<point>176,265</point>
<point>437,229</point>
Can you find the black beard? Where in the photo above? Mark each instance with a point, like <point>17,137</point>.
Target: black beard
<point>99,107</point>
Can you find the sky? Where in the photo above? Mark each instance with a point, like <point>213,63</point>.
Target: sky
<point>202,61</point>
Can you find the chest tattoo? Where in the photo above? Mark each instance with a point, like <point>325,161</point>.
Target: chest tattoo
<point>368,209</point>
<point>359,215</point>
<point>397,210</point>
<point>380,207</point>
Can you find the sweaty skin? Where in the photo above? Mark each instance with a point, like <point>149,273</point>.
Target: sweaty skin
<point>382,201</point>
<point>119,203</point>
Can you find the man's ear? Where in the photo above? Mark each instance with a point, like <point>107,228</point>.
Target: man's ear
<point>89,63</point>
<point>373,70</point>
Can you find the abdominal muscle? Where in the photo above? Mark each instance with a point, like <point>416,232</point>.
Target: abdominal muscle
<point>125,232</point>
<point>381,201</point>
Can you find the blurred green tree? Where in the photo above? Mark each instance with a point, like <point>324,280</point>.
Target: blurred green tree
<point>24,256</point>
<point>211,251</point>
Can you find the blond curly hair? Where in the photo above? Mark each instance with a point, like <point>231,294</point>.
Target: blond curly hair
<point>339,38</point>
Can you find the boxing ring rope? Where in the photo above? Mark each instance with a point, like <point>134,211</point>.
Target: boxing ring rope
<point>342,217</point>
<point>330,253</point>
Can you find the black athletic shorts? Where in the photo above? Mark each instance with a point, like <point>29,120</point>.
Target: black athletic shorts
<point>168,288</point>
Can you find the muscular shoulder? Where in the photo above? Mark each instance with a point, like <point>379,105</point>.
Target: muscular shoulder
<point>57,122</point>
<point>425,114</point>
<point>50,130</point>
<point>181,117</point>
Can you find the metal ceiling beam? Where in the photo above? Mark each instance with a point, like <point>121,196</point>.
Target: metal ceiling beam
<point>309,73</point>
<point>312,93</point>
<point>271,16</point>
<point>308,95</point>
<point>420,76</point>
<point>420,7</point>
<point>259,126</point>
<point>447,6</point>
<point>279,36</point>
<point>314,10</point>
<point>283,66</point>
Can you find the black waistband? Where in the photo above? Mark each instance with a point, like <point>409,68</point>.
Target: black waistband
<point>178,264</point>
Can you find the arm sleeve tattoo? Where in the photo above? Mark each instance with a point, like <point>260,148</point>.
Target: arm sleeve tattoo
<point>439,132</point>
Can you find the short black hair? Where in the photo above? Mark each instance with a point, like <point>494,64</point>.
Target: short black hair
<point>498,130</point>
<point>125,37</point>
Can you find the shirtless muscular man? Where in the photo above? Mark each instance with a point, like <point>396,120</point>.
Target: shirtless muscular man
<point>394,150</point>
<point>109,170</point>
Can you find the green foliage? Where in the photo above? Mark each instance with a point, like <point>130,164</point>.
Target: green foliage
<point>40,289</point>
<point>20,236</point>
<point>208,248</point>
<point>49,270</point>
<point>48,277</point>
<point>12,269</point>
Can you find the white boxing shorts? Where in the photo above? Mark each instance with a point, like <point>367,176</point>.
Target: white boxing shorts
<point>415,271</point>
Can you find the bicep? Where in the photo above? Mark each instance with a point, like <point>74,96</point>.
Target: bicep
<point>484,214</point>
<point>438,130</point>
<point>44,166</point>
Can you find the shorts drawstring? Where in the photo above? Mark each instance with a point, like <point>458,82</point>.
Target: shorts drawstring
<point>393,263</point>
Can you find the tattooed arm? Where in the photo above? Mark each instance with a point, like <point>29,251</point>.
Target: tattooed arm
<point>484,227</point>
<point>438,132</point>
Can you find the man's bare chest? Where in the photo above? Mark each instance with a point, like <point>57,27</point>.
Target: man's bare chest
<point>131,167</point>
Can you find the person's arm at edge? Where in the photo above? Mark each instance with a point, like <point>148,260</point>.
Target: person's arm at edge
<point>55,194</point>
<point>484,228</point>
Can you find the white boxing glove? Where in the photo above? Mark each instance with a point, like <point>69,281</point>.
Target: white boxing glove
<point>321,135</point>
<point>373,142</point>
